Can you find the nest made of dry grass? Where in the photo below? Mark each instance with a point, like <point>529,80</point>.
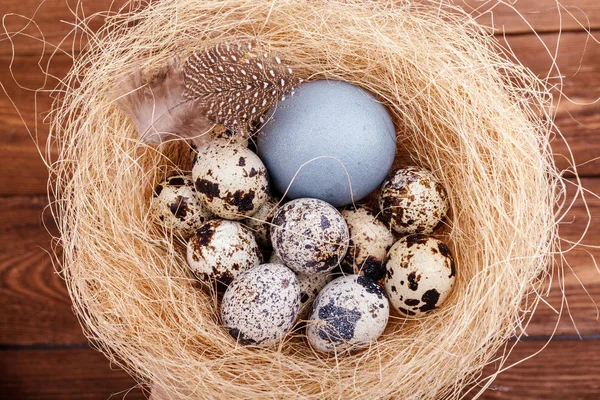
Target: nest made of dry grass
<point>480,122</point>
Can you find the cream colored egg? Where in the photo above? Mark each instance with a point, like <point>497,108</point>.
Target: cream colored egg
<point>370,240</point>
<point>176,205</point>
<point>413,201</point>
<point>220,250</point>
<point>231,180</point>
<point>260,223</point>
<point>420,274</point>
<point>309,235</point>
<point>261,305</point>
<point>351,312</point>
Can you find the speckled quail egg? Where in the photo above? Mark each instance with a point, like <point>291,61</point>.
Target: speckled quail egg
<point>370,240</point>
<point>260,223</point>
<point>231,180</point>
<point>310,286</point>
<point>350,312</point>
<point>413,201</point>
<point>220,250</point>
<point>177,206</point>
<point>420,274</point>
<point>309,235</point>
<point>261,305</point>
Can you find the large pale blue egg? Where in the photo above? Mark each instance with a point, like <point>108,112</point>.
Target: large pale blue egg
<point>341,134</point>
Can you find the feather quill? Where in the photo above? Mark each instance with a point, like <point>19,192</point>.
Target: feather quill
<point>235,84</point>
<point>159,108</point>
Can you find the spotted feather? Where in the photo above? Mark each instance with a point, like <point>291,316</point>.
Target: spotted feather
<point>236,84</point>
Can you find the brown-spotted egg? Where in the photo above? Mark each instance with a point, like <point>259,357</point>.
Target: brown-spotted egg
<point>370,240</point>
<point>177,206</point>
<point>413,201</point>
<point>220,250</point>
<point>309,235</point>
<point>261,305</point>
<point>260,223</point>
<point>231,180</point>
<point>420,274</point>
<point>352,311</point>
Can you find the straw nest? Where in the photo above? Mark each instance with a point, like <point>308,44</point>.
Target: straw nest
<point>479,121</point>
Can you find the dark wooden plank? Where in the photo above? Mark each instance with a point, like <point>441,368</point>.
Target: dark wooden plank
<point>63,374</point>
<point>23,107</point>
<point>525,16</point>
<point>577,313</point>
<point>578,116</point>
<point>581,282</point>
<point>565,369</point>
<point>46,26</point>
<point>36,308</point>
<point>55,18</point>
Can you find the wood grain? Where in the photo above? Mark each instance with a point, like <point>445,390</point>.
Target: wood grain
<point>36,308</point>
<point>24,104</point>
<point>54,20</point>
<point>564,370</point>
<point>46,26</point>
<point>581,281</point>
<point>66,374</point>
<point>567,369</point>
<point>578,115</point>
<point>526,16</point>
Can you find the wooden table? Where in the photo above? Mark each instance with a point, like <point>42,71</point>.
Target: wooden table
<point>44,355</point>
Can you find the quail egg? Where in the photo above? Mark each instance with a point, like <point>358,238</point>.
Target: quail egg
<point>260,223</point>
<point>309,235</point>
<point>413,201</point>
<point>370,240</point>
<point>261,305</point>
<point>220,250</point>
<point>420,274</point>
<point>231,180</point>
<point>349,313</point>
<point>177,206</point>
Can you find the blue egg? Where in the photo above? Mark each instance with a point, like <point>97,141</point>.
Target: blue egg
<point>337,138</point>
